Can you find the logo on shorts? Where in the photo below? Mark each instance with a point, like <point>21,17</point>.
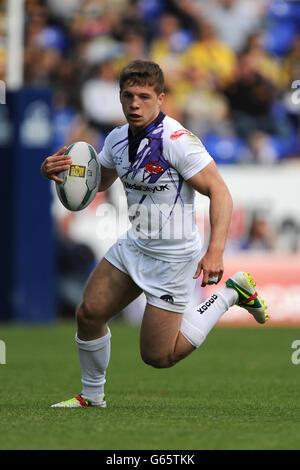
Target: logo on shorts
<point>179,133</point>
<point>167,298</point>
<point>77,170</point>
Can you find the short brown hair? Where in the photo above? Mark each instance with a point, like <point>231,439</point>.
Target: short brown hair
<point>143,72</point>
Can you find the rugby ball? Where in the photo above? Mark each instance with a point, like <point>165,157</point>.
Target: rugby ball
<point>81,181</point>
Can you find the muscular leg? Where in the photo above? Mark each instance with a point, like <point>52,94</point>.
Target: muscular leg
<point>161,343</point>
<point>168,337</point>
<point>108,291</point>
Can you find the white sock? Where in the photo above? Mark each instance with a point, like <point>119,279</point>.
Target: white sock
<point>198,321</point>
<point>94,357</point>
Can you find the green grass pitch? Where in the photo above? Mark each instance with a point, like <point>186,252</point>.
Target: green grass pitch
<point>240,390</point>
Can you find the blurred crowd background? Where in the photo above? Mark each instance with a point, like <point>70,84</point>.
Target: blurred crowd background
<point>232,70</point>
<point>229,68</point>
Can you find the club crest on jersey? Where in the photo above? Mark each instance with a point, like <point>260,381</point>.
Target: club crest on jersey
<point>154,168</point>
<point>179,133</point>
<point>77,170</point>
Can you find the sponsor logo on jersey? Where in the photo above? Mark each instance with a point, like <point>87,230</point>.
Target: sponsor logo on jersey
<point>77,170</point>
<point>154,168</point>
<point>140,187</point>
<point>179,133</point>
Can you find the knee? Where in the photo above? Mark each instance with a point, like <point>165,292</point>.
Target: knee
<point>87,314</point>
<point>158,362</point>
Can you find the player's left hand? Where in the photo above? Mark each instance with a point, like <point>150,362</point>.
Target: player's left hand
<point>211,265</point>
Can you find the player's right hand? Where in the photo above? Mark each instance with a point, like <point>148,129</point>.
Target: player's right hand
<point>56,163</point>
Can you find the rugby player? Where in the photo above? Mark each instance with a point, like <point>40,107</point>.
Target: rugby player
<point>161,165</point>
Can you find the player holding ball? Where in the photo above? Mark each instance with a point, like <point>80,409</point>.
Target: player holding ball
<point>161,166</point>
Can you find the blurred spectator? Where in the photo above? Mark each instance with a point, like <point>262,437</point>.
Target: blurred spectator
<point>65,9</point>
<point>134,46</point>
<point>262,149</point>
<point>2,42</point>
<point>80,130</point>
<point>268,65</point>
<point>188,12</point>
<point>204,109</point>
<point>214,58</point>
<point>75,262</point>
<point>171,106</point>
<point>234,20</point>
<point>46,44</point>
<point>289,235</point>
<point>94,19</point>
<point>63,116</point>
<point>169,45</point>
<point>37,17</point>
<point>100,99</point>
<point>251,97</point>
<point>42,66</point>
<point>291,63</point>
<point>261,236</point>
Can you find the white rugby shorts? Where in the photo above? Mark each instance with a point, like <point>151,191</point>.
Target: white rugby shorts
<point>167,285</point>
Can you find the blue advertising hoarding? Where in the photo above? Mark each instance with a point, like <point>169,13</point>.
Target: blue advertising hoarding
<point>27,237</point>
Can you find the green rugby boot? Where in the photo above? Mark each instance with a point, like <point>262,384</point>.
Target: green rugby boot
<point>248,298</point>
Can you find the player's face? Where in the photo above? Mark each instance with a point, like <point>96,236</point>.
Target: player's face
<point>141,105</point>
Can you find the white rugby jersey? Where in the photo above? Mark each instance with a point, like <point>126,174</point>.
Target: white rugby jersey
<point>153,167</point>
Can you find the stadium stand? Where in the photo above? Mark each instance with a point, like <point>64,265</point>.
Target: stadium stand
<point>79,46</point>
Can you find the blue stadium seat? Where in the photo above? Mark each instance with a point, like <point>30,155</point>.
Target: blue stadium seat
<point>279,37</point>
<point>282,23</point>
<point>285,146</point>
<point>53,38</point>
<point>225,149</point>
<point>152,9</point>
<point>285,10</point>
